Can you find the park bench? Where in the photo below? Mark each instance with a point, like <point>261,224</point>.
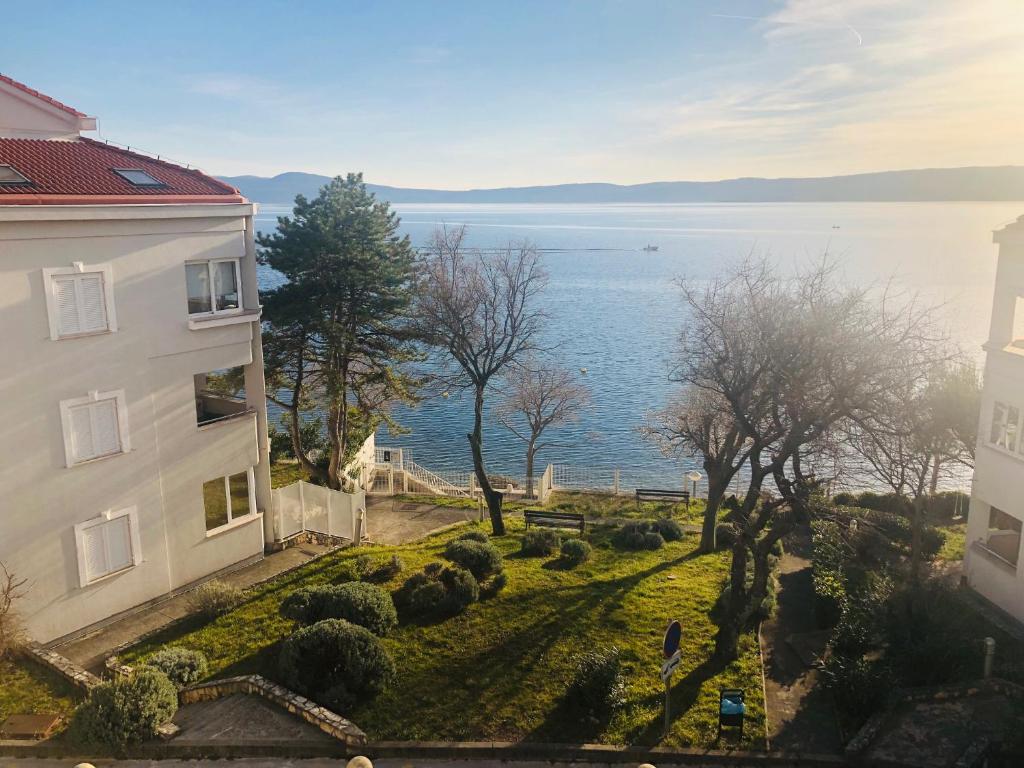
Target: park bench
<point>654,494</point>
<point>555,519</point>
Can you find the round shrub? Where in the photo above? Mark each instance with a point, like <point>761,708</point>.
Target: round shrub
<point>641,534</point>
<point>335,663</point>
<point>480,536</point>
<point>538,543</point>
<point>653,540</point>
<point>364,604</point>
<point>127,710</point>
<point>214,598</point>
<point>482,560</point>
<point>439,591</point>
<point>670,530</point>
<point>181,665</point>
<point>493,585</point>
<point>575,551</point>
<point>725,536</point>
<point>597,687</point>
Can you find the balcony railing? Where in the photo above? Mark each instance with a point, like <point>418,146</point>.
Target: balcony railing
<point>212,408</point>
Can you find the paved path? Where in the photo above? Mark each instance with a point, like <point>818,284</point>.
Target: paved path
<point>393,521</point>
<point>800,712</point>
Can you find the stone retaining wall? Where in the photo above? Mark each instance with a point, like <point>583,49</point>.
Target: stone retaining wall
<point>83,680</point>
<point>255,685</point>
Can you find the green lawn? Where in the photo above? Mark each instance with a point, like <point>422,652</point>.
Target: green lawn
<point>27,688</point>
<point>592,504</point>
<point>955,539</point>
<point>285,473</point>
<point>499,671</point>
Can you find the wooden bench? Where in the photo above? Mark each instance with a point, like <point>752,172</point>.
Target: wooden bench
<point>653,494</point>
<point>555,519</point>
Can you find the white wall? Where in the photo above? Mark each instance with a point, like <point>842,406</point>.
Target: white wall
<point>152,356</point>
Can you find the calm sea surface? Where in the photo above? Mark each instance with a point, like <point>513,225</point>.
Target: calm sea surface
<point>616,312</point>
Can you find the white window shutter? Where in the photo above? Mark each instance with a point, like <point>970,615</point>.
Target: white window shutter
<point>119,544</point>
<point>67,306</point>
<point>81,433</point>
<point>92,313</point>
<point>94,555</point>
<point>106,435</point>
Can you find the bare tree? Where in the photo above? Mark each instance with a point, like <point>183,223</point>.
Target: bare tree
<point>11,590</point>
<point>792,358</point>
<point>700,424</point>
<point>540,396</point>
<point>480,310</point>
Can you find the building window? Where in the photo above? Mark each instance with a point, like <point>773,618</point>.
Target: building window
<point>213,286</point>
<point>138,177</point>
<point>229,499</point>
<point>107,545</point>
<point>80,300</point>
<point>220,395</point>
<point>94,426</point>
<point>1005,432</point>
<point>1003,537</point>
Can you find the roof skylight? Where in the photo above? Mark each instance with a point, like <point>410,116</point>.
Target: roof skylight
<point>138,177</point>
<point>9,175</point>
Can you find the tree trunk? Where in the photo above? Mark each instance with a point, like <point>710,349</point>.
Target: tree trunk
<point>716,492</point>
<point>916,515</point>
<point>933,486</point>
<point>530,450</point>
<point>491,496</point>
<point>728,637</point>
<point>300,454</point>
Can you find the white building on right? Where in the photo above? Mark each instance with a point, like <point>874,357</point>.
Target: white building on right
<point>993,563</point>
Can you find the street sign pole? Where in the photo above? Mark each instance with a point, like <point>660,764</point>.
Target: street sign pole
<point>670,647</point>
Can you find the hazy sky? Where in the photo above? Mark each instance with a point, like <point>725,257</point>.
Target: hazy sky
<point>481,93</point>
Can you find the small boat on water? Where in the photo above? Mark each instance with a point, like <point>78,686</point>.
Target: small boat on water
<point>649,248</point>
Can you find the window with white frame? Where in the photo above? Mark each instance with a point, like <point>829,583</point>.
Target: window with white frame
<point>94,426</point>
<point>229,499</point>
<point>214,287</point>
<point>1006,425</point>
<point>80,300</point>
<point>107,545</point>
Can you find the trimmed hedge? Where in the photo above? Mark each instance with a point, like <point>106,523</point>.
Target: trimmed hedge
<point>641,534</point>
<point>540,542</point>
<point>335,663</point>
<point>126,710</point>
<point>482,560</point>
<point>597,687</point>
<point>182,666</point>
<point>575,551</point>
<point>440,591</point>
<point>364,604</point>
<point>480,536</point>
<point>670,530</point>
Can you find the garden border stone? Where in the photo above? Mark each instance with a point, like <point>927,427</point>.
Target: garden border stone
<point>81,678</point>
<point>256,685</point>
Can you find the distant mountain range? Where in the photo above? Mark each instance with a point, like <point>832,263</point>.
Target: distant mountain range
<point>931,184</point>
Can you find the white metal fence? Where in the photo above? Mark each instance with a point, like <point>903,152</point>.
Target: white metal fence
<point>303,506</point>
<point>584,478</point>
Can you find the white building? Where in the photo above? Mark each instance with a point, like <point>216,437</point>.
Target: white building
<point>124,281</point>
<point>993,563</point>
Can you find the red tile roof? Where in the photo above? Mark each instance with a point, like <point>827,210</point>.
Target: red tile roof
<point>81,172</point>
<point>41,96</point>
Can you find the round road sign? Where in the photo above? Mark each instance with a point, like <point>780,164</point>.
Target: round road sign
<point>673,635</point>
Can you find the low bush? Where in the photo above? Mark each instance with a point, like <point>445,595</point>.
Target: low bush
<point>480,536</point>
<point>335,663</point>
<point>182,666</point>
<point>438,591</point>
<point>214,598</point>
<point>575,551</point>
<point>725,536</point>
<point>126,710</point>
<point>859,686</point>
<point>597,687</point>
<point>482,560</point>
<point>670,530</point>
<point>364,604</point>
<point>493,585</point>
<point>641,534</point>
<point>540,542</point>
<point>368,568</point>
